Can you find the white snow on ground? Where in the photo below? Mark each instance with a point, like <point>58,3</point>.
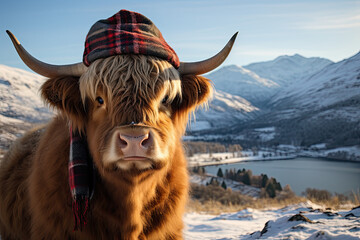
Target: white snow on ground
<point>353,153</point>
<point>283,152</point>
<point>350,150</point>
<point>205,159</point>
<point>250,223</point>
<point>266,129</point>
<point>10,120</point>
<point>266,134</point>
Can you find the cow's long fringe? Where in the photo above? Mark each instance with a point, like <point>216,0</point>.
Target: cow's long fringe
<point>113,74</point>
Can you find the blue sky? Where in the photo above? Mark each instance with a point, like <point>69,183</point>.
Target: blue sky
<point>54,31</point>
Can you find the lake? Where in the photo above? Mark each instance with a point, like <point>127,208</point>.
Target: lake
<point>301,173</point>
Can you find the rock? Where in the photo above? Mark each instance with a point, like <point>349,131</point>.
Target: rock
<point>265,229</point>
<point>331,214</point>
<point>349,215</point>
<point>300,217</point>
<point>356,208</point>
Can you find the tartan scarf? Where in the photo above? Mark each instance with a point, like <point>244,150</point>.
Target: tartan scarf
<point>81,178</point>
<point>127,32</point>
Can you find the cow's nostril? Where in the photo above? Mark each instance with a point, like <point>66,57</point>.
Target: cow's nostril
<point>123,142</point>
<point>146,141</point>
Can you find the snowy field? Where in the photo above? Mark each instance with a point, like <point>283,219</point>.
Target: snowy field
<point>205,159</point>
<point>301,221</point>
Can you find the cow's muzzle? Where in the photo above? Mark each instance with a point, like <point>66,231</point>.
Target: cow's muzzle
<point>135,143</point>
<point>133,146</point>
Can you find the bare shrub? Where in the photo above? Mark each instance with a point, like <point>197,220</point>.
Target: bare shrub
<point>215,199</point>
<point>336,201</point>
<point>356,197</point>
<point>318,195</point>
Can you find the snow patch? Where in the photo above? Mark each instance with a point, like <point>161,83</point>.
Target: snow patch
<point>286,223</point>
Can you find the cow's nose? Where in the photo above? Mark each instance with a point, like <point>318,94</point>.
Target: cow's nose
<point>135,145</point>
<point>141,141</point>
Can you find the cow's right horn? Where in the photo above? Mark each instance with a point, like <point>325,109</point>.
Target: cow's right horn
<point>45,69</point>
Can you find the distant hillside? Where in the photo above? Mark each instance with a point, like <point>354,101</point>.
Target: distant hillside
<point>285,70</point>
<point>323,107</point>
<point>19,95</point>
<point>224,109</point>
<point>242,82</point>
<point>20,103</point>
<point>318,108</point>
<point>255,84</point>
<point>335,83</point>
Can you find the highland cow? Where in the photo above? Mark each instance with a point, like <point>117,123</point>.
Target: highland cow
<point>116,140</point>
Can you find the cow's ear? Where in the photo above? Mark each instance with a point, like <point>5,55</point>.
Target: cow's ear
<point>63,94</point>
<point>196,90</point>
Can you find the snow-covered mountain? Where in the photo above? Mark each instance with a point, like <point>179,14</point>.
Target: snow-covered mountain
<point>242,82</point>
<point>223,110</point>
<point>253,86</point>
<point>311,108</point>
<point>257,82</point>
<point>320,108</point>
<point>337,82</point>
<point>332,93</point>
<point>20,103</point>
<point>19,95</point>
<point>285,70</point>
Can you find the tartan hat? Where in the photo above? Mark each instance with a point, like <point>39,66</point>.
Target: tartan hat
<point>126,32</point>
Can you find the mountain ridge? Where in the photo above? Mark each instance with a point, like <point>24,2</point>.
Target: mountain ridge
<point>322,107</point>
<point>287,69</point>
<point>252,101</point>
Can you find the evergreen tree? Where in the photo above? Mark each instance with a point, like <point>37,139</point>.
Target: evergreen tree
<point>223,185</point>
<point>239,176</point>
<point>264,180</point>
<point>214,182</point>
<point>278,186</point>
<point>247,178</point>
<point>270,189</point>
<point>231,174</point>
<point>220,173</point>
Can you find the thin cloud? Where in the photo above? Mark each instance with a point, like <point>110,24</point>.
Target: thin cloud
<point>333,21</point>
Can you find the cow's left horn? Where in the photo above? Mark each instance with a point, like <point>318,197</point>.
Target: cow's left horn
<point>45,69</point>
<point>201,67</point>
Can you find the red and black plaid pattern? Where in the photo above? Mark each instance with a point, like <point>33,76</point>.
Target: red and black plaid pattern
<point>126,33</point>
<point>81,177</point>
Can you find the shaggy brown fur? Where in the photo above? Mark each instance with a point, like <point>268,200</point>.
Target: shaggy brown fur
<point>35,200</point>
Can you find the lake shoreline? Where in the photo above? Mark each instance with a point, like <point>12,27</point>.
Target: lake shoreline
<point>263,159</point>
<point>303,172</point>
<point>329,159</point>
<point>239,160</point>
